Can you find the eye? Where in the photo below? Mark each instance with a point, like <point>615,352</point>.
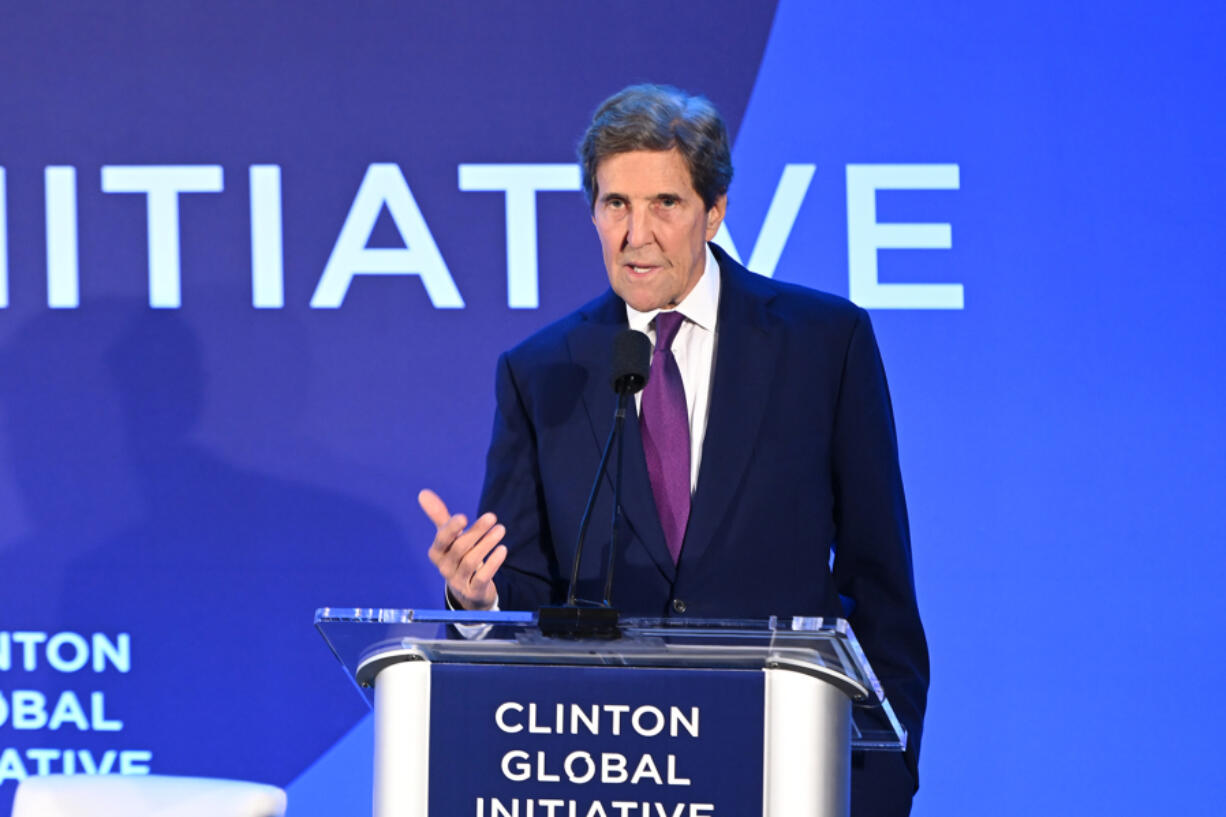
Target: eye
<point>668,201</point>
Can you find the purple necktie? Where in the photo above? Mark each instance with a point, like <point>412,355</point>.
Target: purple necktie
<point>666,434</point>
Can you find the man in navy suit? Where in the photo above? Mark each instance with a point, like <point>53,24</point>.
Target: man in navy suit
<point>765,483</point>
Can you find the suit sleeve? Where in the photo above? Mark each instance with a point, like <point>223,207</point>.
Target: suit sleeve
<point>514,492</point>
<point>872,565</point>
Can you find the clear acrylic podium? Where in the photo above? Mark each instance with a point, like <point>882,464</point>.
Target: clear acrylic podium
<point>819,701</point>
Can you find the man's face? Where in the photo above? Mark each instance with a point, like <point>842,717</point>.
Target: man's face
<point>653,227</point>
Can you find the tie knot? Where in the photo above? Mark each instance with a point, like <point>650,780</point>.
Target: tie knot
<point>667,324</point>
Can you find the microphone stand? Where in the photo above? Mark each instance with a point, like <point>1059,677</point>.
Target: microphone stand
<point>619,419</point>
<point>580,618</point>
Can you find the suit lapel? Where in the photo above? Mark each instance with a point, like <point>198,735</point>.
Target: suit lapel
<point>591,345</point>
<point>740,391</point>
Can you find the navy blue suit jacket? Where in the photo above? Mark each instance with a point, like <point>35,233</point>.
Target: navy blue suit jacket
<point>799,457</point>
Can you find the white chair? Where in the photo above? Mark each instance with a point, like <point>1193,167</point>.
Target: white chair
<point>85,795</point>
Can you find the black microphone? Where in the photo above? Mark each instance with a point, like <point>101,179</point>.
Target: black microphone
<point>631,365</point>
<point>631,362</point>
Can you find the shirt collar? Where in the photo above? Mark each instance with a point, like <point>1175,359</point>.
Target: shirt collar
<point>700,306</point>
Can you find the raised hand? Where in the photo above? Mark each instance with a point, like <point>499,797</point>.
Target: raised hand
<point>466,558</point>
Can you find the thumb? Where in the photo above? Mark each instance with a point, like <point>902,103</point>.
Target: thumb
<point>434,507</point>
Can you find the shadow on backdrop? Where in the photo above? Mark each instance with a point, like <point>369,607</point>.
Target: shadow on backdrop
<point>214,570</point>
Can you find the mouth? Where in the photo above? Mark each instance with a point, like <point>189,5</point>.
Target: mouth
<point>640,269</point>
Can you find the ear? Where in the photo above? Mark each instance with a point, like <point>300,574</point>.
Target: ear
<point>715,216</point>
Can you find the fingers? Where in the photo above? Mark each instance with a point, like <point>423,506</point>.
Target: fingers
<point>481,592</point>
<point>453,543</point>
<point>472,560</point>
<point>470,579</point>
<point>485,573</point>
<point>467,559</point>
<point>458,561</point>
<point>449,527</point>
<point>445,539</point>
<point>434,507</point>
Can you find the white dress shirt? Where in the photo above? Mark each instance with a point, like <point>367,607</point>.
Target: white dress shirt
<point>694,350</point>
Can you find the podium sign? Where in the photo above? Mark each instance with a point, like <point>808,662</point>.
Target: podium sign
<point>588,741</point>
<point>483,715</point>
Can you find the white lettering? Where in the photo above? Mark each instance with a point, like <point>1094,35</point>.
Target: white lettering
<point>60,184</point>
<point>521,182</point>
<point>613,768</point>
<point>98,719</point>
<point>678,718</point>
<point>384,185</point>
<point>591,721</point>
<point>865,236</point>
<point>135,761</point>
<point>267,237</point>
<point>500,720</point>
<point>42,759</point>
<point>673,778</point>
<point>499,810</point>
<point>29,709</point>
<point>117,652</point>
<point>616,710</point>
<point>647,768</point>
<point>568,766</point>
<point>777,226</point>
<point>91,766</point>
<point>66,651</point>
<point>515,766</point>
<point>11,767</point>
<point>162,185</point>
<point>80,652</point>
<point>541,775</point>
<point>637,721</point>
<point>28,641</point>
<point>533,726</point>
<point>68,710</point>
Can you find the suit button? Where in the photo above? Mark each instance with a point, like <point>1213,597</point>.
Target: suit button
<point>678,606</point>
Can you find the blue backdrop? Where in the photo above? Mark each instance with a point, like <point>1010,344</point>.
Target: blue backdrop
<point>257,261</point>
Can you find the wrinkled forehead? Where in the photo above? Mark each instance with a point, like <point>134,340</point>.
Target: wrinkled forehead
<point>644,173</point>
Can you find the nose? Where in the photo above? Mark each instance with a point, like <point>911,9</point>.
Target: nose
<point>639,230</point>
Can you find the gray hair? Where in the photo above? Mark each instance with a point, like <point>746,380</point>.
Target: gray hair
<point>660,117</point>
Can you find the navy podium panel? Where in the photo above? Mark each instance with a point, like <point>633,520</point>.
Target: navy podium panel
<point>586,739</point>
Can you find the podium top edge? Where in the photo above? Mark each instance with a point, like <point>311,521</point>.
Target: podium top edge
<point>377,615</point>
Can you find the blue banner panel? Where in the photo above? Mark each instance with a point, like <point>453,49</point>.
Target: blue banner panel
<point>595,741</point>
<point>217,398</point>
